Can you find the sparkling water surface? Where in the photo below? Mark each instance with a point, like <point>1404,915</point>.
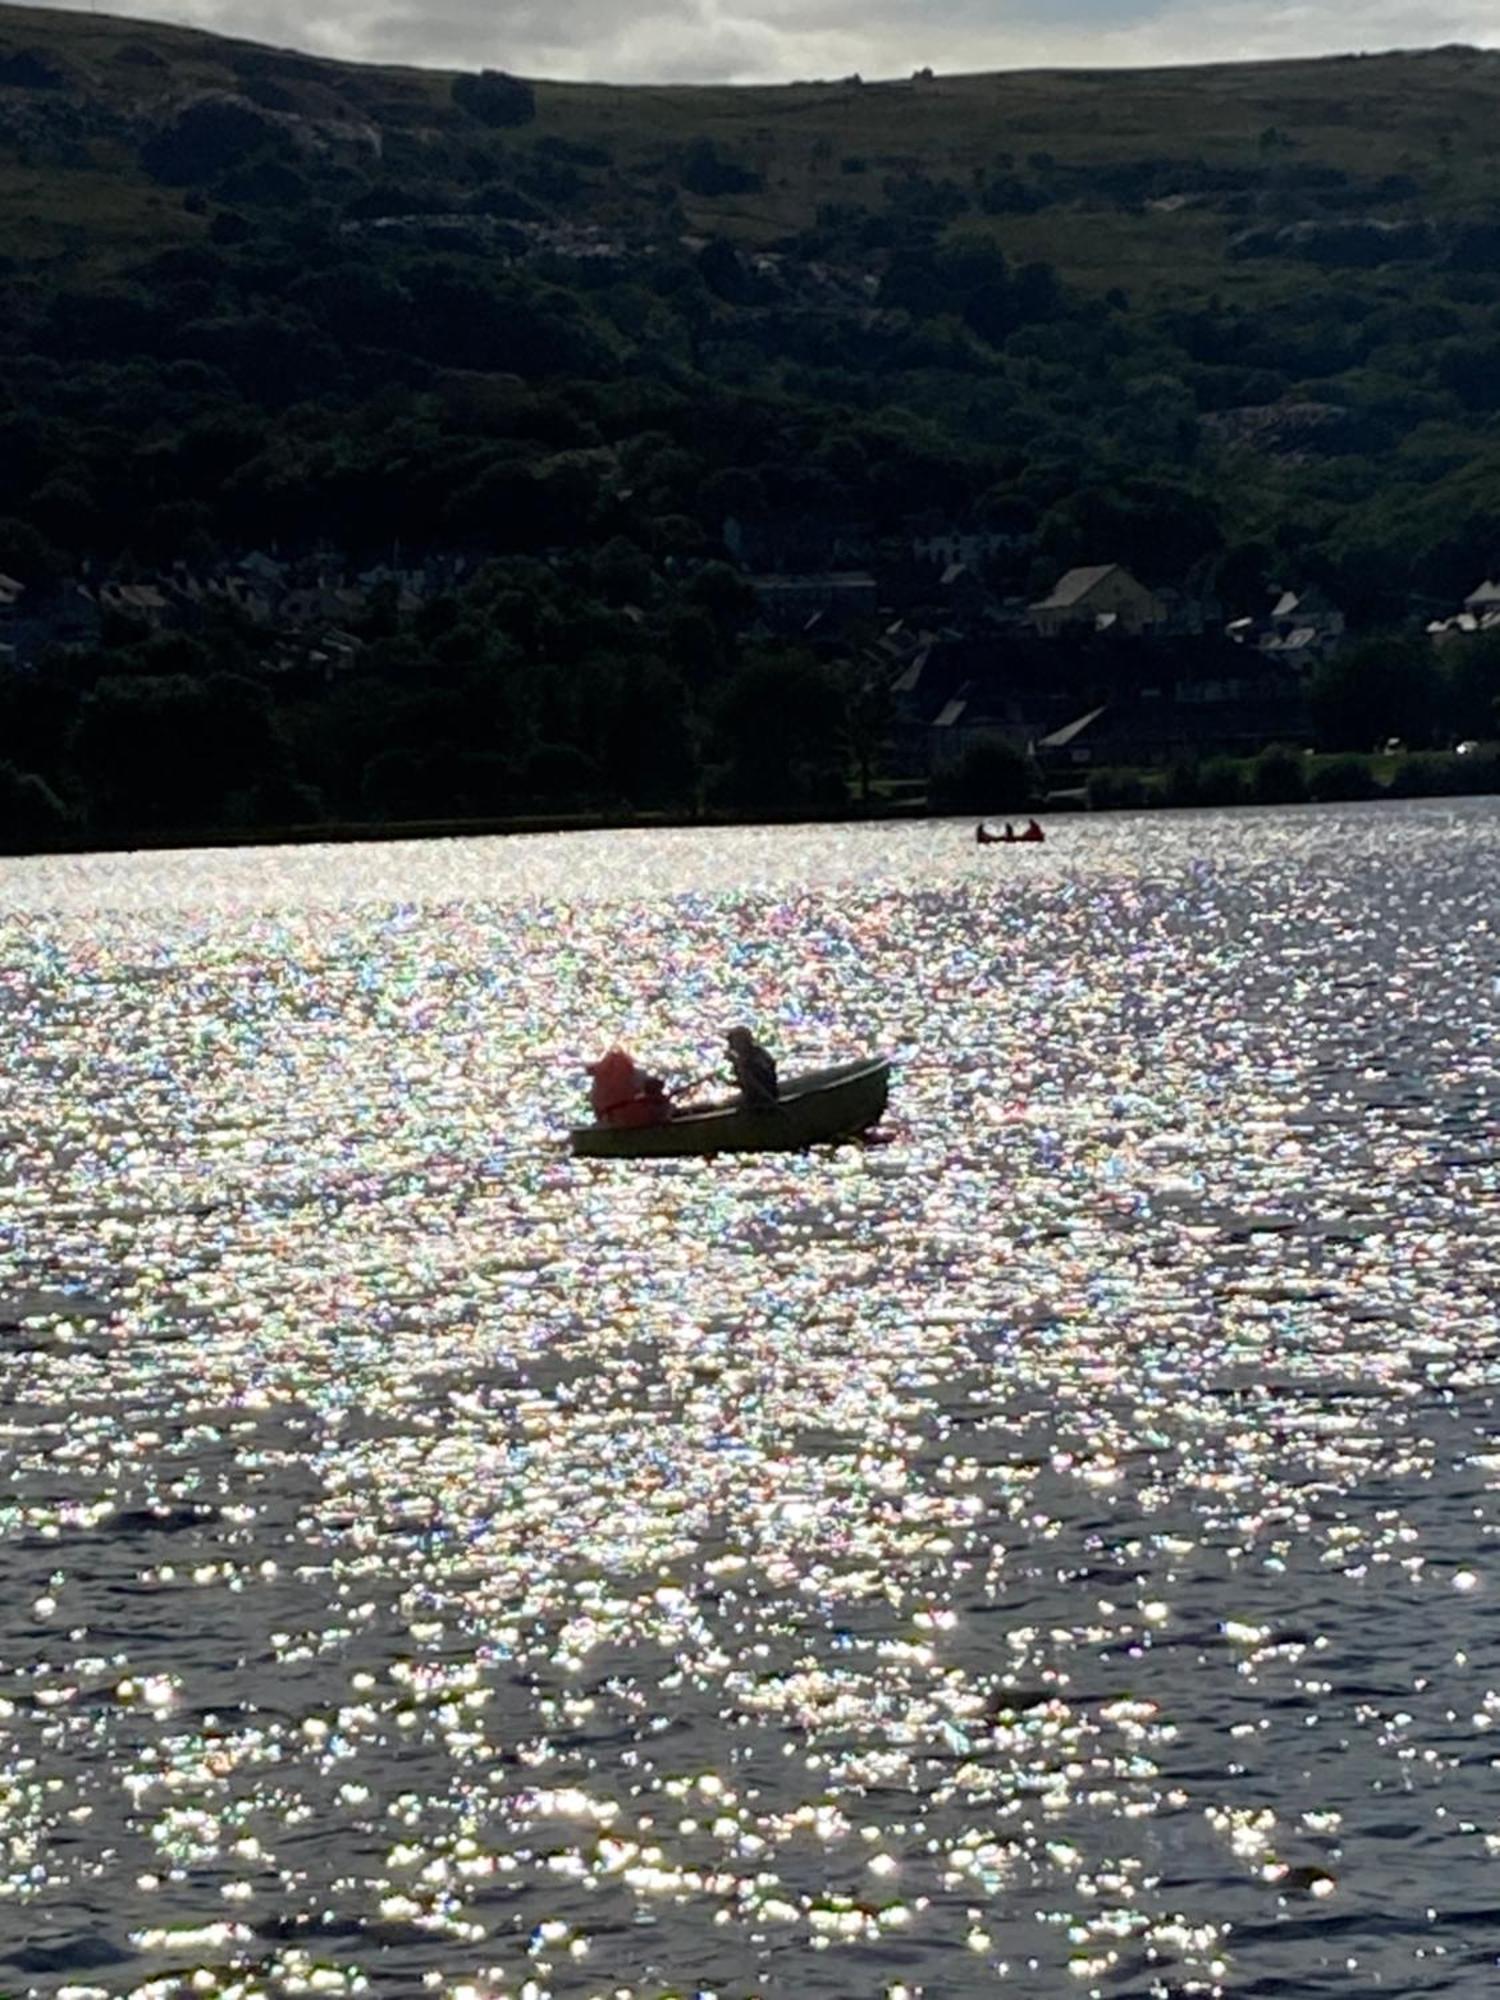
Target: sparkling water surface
<point>1051,1551</point>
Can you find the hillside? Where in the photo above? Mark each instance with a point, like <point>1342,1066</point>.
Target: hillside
<point>1150,175</point>
<point>1233,327</point>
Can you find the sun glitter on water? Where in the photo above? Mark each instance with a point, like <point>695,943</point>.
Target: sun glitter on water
<point>1048,1552</point>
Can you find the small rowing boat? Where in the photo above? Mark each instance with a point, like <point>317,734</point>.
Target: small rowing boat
<point>817,1109</point>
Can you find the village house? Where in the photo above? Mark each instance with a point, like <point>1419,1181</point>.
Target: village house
<point>1183,718</point>
<point>1301,626</point>
<point>792,543</point>
<point>321,604</point>
<point>826,600</point>
<point>1101,598</point>
<point>1480,613</point>
<point>268,571</point>
<point>974,716</point>
<point>142,603</point>
<point>39,619</point>
<point>961,591</point>
<point>1133,730</point>
<point>196,597</point>
<point>253,600</point>
<point>316,657</point>
<point>1068,752</point>
<point>955,545</point>
<point>1236,714</point>
<point>928,667</point>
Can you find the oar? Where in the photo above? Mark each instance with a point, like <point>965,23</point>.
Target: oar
<point>696,1084</point>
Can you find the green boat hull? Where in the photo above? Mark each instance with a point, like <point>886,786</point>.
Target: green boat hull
<point>817,1109</point>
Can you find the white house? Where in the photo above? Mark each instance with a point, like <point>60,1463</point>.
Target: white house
<point>1099,598</point>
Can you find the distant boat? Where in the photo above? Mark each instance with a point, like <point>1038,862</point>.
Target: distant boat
<point>1029,836</point>
<point>816,1109</point>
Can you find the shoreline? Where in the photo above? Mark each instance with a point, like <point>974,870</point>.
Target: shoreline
<point>344,833</point>
<point>355,833</point>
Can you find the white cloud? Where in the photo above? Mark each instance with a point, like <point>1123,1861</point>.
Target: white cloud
<point>778,40</point>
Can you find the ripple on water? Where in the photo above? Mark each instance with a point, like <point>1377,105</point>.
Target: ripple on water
<point>1048,1551</point>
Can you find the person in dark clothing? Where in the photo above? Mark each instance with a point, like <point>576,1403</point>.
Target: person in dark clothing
<point>754,1069</point>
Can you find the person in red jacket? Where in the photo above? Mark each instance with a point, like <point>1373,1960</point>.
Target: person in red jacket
<point>621,1093</point>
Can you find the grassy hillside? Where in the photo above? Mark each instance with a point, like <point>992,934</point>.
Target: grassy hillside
<point>1142,177</point>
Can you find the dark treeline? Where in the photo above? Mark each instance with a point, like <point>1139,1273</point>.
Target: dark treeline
<point>538,690</point>
<point>533,690</point>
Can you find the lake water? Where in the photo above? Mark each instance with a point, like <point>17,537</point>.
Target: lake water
<point>1052,1551</point>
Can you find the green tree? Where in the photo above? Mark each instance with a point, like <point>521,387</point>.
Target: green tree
<point>169,750</point>
<point>646,751</point>
<point>992,776</point>
<point>1338,778</point>
<point>1368,693</point>
<point>622,573</point>
<point>495,98</point>
<point>1221,782</point>
<point>559,777</point>
<point>869,714</point>
<point>1471,667</point>
<point>725,595</point>
<point>1279,776</point>
<point>207,137</point>
<point>1159,528</point>
<point>406,784</point>
<point>779,730</point>
<point>32,816</point>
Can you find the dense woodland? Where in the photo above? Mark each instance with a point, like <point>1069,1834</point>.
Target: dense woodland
<point>1233,328</point>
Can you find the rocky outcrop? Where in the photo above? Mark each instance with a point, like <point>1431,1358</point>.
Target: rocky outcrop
<point>220,130</point>
<point>1341,244</point>
<point>1294,432</point>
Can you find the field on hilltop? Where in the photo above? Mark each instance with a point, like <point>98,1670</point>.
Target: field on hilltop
<point>1114,176</point>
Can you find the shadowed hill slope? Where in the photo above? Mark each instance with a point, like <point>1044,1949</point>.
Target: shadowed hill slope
<point>1242,317</point>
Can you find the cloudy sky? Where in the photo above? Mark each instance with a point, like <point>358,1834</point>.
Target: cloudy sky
<point>743,41</point>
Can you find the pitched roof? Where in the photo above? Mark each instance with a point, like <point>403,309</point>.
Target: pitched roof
<point>136,596</point>
<point>910,678</point>
<point>1073,586</point>
<point>1061,738</point>
<point>1467,621</point>
<point>1296,640</point>
<point>1309,603</point>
